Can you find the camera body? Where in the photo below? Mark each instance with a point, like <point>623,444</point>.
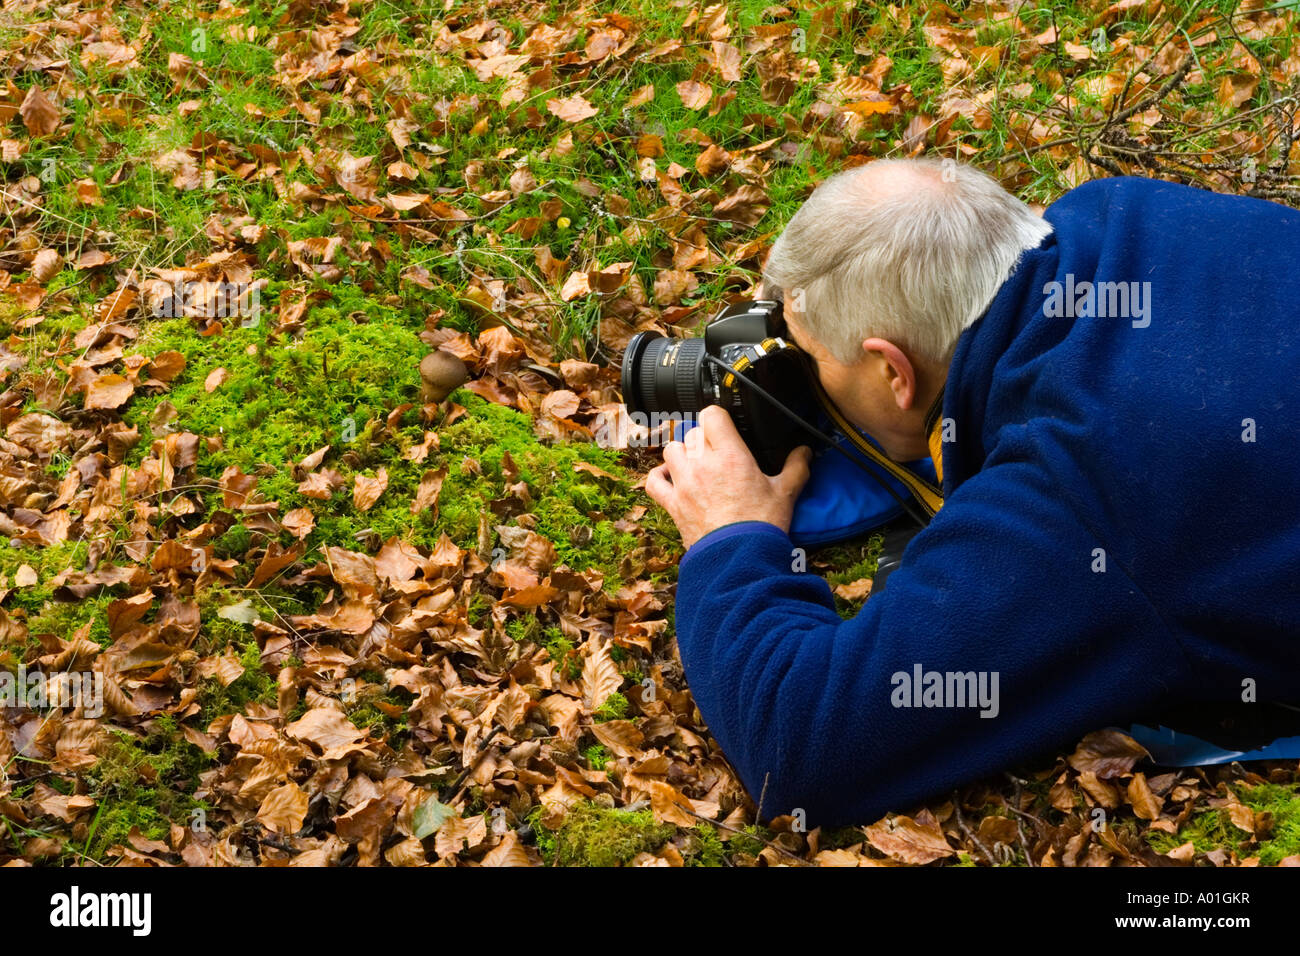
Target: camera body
<point>742,347</point>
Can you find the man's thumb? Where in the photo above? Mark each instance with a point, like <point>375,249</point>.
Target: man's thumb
<point>798,466</point>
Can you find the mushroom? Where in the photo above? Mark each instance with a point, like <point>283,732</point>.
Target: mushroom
<point>441,373</point>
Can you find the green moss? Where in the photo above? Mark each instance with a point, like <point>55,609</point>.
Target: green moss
<point>255,684</point>
<point>707,848</point>
<point>562,652</point>
<point>1212,829</point>
<point>594,836</point>
<point>597,755</point>
<point>46,562</point>
<point>614,707</point>
<point>523,628</point>
<point>358,360</point>
<point>63,618</point>
<point>749,843</point>
<point>367,715</point>
<point>145,783</point>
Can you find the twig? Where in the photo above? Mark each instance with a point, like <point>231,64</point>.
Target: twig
<point>969,833</point>
<point>459,782</point>
<point>731,829</point>
<point>758,812</point>
<point>1020,830</point>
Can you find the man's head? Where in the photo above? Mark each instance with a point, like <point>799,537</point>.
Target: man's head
<point>880,272</point>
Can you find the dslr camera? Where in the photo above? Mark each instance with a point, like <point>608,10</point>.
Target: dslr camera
<point>743,363</point>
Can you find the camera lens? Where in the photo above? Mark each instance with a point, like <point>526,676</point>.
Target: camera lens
<point>664,375</point>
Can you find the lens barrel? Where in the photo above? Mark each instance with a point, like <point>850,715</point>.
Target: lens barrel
<point>664,375</point>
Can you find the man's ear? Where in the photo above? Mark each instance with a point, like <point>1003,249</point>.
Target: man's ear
<point>897,368</point>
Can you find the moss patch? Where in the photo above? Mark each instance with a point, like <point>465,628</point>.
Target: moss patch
<point>1214,828</point>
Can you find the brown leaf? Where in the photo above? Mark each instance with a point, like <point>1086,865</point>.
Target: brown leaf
<point>274,561</point>
<point>364,821</point>
<point>695,95</point>
<point>88,193</point>
<point>46,265</point>
<point>532,596</point>
<point>600,677</point>
<point>1235,89</point>
<point>457,834</point>
<point>41,433</point>
<point>322,484</point>
<point>299,522</point>
<point>746,206</point>
<point>1242,817</point>
<point>571,109</point>
<point>1107,753</point>
<point>593,470</point>
<point>561,404</point>
<point>509,852</point>
<point>914,135</point>
<point>325,727</point>
<point>1105,794</point>
<point>284,809</point>
<point>312,461</point>
<point>641,96</point>
<point>725,58</point>
<point>93,259</point>
<point>40,115</point>
<point>995,830</point>
<point>602,43</point>
<point>621,736</point>
<point>214,379</point>
<point>712,161</point>
<point>854,591</point>
<point>108,391</point>
<point>649,145</point>
<point>165,366</point>
<point>426,496</point>
<point>1145,803</point>
<point>672,284</point>
<point>907,841</point>
<point>670,806</point>
<point>366,491</point>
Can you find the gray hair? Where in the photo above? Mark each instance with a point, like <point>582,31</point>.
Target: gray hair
<point>916,266</point>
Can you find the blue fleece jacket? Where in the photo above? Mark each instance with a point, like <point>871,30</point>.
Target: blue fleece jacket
<point>1120,529</point>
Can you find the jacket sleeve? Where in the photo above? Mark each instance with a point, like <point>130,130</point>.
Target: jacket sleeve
<point>812,710</point>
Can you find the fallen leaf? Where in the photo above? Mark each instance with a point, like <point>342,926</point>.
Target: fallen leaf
<point>695,95</point>
<point>907,841</point>
<point>1107,753</point>
<point>571,109</point>
<point>284,809</point>
<point>40,114</point>
<point>109,391</point>
<point>366,490</point>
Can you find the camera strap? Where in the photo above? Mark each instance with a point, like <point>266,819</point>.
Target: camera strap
<point>934,434</point>
<point>927,495</point>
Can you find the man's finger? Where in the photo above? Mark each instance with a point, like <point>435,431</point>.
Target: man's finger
<point>720,430</point>
<point>658,486</point>
<point>695,441</point>
<point>798,466</point>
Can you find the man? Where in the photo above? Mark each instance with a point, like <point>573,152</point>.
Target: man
<point>1111,395</point>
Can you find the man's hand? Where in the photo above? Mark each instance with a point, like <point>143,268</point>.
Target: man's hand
<point>711,479</point>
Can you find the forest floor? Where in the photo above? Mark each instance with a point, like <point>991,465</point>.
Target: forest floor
<point>339,622</point>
